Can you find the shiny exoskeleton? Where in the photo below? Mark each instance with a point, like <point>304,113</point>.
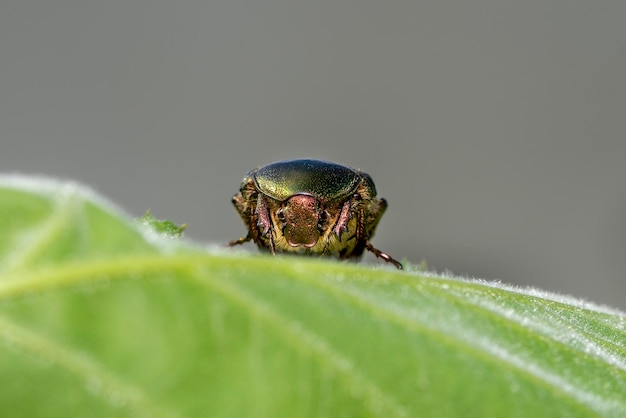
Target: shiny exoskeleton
<point>310,207</point>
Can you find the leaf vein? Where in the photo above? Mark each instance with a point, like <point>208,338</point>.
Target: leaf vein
<point>99,382</point>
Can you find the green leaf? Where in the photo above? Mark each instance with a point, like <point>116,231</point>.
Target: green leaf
<point>101,317</point>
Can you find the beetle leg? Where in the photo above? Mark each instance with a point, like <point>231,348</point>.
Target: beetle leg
<point>272,248</point>
<point>342,223</point>
<point>244,212</point>
<point>239,241</point>
<point>264,222</point>
<point>383,255</point>
<point>364,235</point>
<point>375,215</point>
<point>263,216</point>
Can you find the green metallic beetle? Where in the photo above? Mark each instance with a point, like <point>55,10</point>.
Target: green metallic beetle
<point>310,207</point>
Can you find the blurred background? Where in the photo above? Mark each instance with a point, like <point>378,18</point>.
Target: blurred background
<point>496,130</point>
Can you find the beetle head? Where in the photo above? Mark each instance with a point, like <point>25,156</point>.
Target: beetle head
<point>301,215</point>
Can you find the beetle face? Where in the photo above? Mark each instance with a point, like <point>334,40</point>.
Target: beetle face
<point>310,207</point>
<point>301,217</point>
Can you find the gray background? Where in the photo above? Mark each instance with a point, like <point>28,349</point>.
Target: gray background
<point>495,129</point>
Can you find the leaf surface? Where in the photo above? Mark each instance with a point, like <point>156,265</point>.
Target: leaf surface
<point>101,316</point>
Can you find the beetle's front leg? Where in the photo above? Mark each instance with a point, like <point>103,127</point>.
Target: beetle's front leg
<point>264,222</point>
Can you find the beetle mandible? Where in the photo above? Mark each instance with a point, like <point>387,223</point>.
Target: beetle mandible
<point>310,207</point>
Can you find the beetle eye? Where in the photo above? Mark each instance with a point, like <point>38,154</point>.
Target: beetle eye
<point>323,220</point>
<point>280,213</point>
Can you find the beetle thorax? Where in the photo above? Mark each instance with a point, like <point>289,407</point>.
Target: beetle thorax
<point>301,215</point>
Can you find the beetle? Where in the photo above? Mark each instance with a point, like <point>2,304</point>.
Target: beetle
<point>310,207</point>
